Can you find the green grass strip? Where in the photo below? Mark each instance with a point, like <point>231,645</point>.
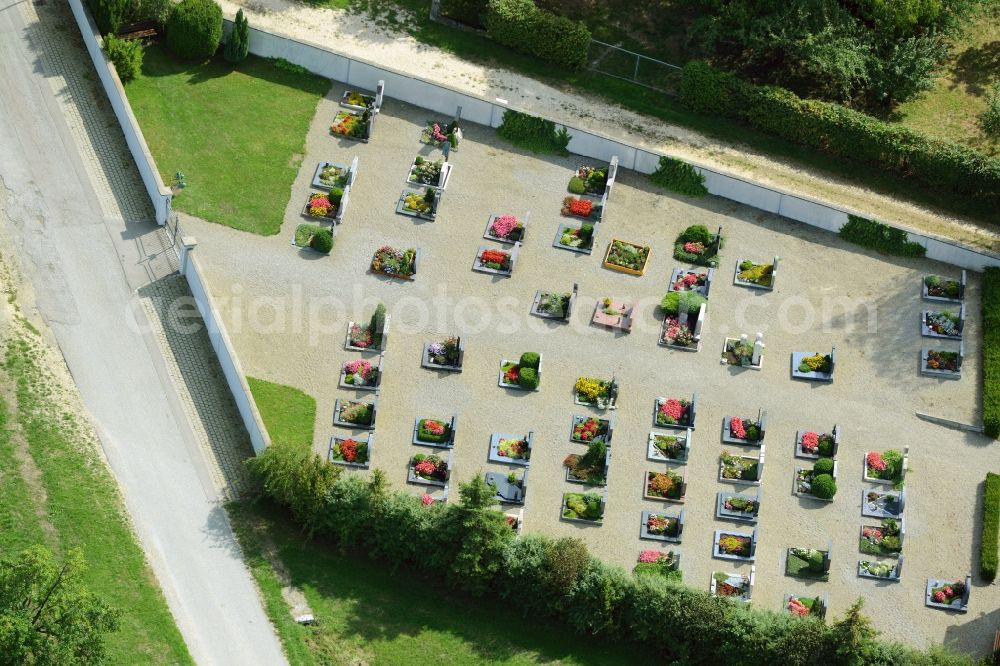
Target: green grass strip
<point>289,414</point>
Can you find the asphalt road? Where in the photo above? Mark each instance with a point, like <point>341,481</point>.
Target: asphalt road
<point>84,268</point>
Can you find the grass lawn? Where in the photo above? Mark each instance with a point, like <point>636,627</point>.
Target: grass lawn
<point>55,491</point>
<point>238,135</point>
<point>289,414</point>
<point>369,615</point>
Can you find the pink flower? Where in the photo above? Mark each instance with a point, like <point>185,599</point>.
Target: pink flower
<point>736,427</point>
<point>939,597</point>
<point>426,499</point>
<point>691,279</point>
<point>796,607</point>
<point>672,409</point>
<point>504,225</point>
<point>810,442</point>
<point>357,366</point>
<point>650,556</point>
<point>694,247</point>
<point>425,468</point>
<point>875,462</point>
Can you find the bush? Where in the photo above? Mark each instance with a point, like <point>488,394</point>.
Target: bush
<point>880,237</point>
<point>990,119</point>
<point>843,132</point>
<point>991,526</point>
<point>536,134</point>
<point>826,448</point>
<point>577,185</point>
<point>195,29</point>
<point>823,466</point>
<point>697,233</point>
<point>678,176</point>
<point>238,44</point>
<point>823,486</point>
<point>126,54</point>
<point>991,352</point>
<point>530,360</point>
<point>470,12</point>
<point>586,234</point>
<point>524,27</point>
<point>322,241</point>
<point>157,11</point>
<point>296,478</point>
<point>528,378</point>
<point>377,325</point>
<point>673,301</point>
<point>108,14</point>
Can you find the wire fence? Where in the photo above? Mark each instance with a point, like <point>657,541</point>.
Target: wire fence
<point>628,65</point>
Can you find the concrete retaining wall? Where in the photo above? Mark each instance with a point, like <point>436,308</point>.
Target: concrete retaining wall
<point>445,101</point>
<point>223,347</point>
<point>159,194</point>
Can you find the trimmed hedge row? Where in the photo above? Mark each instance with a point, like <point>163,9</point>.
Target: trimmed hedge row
<point>536,134</point>
<point>991,526</point>
<point>524,27</point>
<point>470,546</point>
<point>880,237</point>
<point>680,177</point>
<point>842,132</point>
<point>991,352</point>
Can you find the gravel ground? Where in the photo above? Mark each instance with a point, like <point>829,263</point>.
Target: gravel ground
<point>287,312</point>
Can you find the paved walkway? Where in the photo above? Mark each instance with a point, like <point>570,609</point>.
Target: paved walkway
<point>83,234</point>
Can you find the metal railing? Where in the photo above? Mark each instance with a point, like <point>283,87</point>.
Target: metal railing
<point>620,63</point>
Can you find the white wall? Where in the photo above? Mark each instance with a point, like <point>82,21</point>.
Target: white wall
<point>223,347</point>
<point>159,194</point>
<point>444,100</point>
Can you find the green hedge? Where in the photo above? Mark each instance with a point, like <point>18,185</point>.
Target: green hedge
<point>536,134</point>
<point>524,27</point>
<point>843,132</point>
<point>880,237</point>
<point>194,29</point>
<point>991,526</point>
<point>680,177</point>
<point>991,352</point>
<point>126,54</point>
<point>469,546</point>
<point>108,14</point>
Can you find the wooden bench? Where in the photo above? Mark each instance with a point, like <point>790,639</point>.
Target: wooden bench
<point>140,30</point>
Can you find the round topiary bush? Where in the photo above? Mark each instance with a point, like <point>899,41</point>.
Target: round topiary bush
<point>826,448</point>
<point>577,185</point>
<point>696,233</point>
<point>194,29</point>
<point>322,241</point>
<point>816,561</point>
<point>530,360</point>
<point>528,378</point>
<point>823,466</point>
<point>671,303</point>
<point>823,486</point>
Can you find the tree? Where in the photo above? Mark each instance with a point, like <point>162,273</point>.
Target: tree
<point>195,29</point>
<point>108,14</point>
<point>853,636</point>
<point>239,43</point>
<point>47,616</point>
<point>297,479</point>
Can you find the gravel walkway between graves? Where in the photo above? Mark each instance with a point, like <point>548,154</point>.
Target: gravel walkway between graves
<point>357,35</point>
<point>287,312</point>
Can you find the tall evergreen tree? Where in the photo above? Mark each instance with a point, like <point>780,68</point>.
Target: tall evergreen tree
<point>239,40</point>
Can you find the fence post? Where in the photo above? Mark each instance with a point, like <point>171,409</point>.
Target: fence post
<point>188,244</point>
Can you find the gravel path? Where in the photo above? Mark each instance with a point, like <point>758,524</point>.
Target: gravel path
<point>359,36</point>
<point>287,312</point>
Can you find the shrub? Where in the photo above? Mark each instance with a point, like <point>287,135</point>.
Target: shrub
<point>108,14</point>
<point>238,44</point>
<point>157,11</point>
<point>126,54</point>
<point>296,478</point>
<point>194,29</point>
<point>577,185</point>
<point>823,486</point>
<point>336,195</point>
<point>880,237</point>
<point>377,325</point>
<point>707,90</point>
<point>322,241</point>
<point>673,301</point>
<point>470,12</point>
<point>530,360</point>
<point>696,233</point>
<point>586,234</point>
<point>678,176</point>
<point>826,447</point>
<point>524,27</point>
<point>991,526</point>
<point>453,139</point>
<point>823,466</point>
<point>536,134</point>
<point>991,352</point>
<point>990,119</point>
<point>815,560</point>
<point>528,378</point>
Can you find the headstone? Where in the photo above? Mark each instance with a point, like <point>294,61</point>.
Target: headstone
<point>760,463</point>
<point>697,324</point>
<point>758,350</point>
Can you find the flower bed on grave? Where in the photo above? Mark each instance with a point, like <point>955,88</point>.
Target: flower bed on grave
<point>514,449</point>
<point>684,280</point>
<point>361,374</point>
<point>884,539</point>
<point>696,245</point>
<point>818,362</point>
<point>744,469</point>
<point>667,485</point>
<point>525,374</point>
<point>589,180</point>
<point>435,432</point>
<point>420,204</point>
<point>358,100</point>
<point>591,468</point>
<point>885,467</point>
<point>803,606</point>
<point>882,503</point>
<point>739,352</point>
<point>661,526</point>
<point>360,414</point>
<point>738,507</point>
<point>596,392</point>
<point>657,563</point>
<point>943,324</point>
<point>394,263</point>
<point>444,353</point>
<point>626,257</point>
<point>348,451</point>
<point>673,413</point>
<point>816,445</point>
<point>505,228</point>
<point>583,507</point>
<point>673,448</point>
<point>589,429</point>
<point>613,314</point>
<point>818,482</point>
<point>435,133</point>
<point>870,569</point>
<point>745,430</point>
<point>370,336</point>
<point>351,125</point>
<point>360,336</point>
<point>731,585</point>
<point>320,205</point>
<point>582,208</point>
<point>942,361</point>
<point>329,176</point>
<point>943,288</point>
<point>734,545</point>
<point>425,172</point>
<point>552,304</point>
<point>807,563</point>
<point>750,274</point>
<point>948,594</point>
<point>314,237</point>
<point>579,239</point>
<point>489,260</point>
<point>432,470</point>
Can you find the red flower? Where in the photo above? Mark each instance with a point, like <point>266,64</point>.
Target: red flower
<point>349,450</point>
